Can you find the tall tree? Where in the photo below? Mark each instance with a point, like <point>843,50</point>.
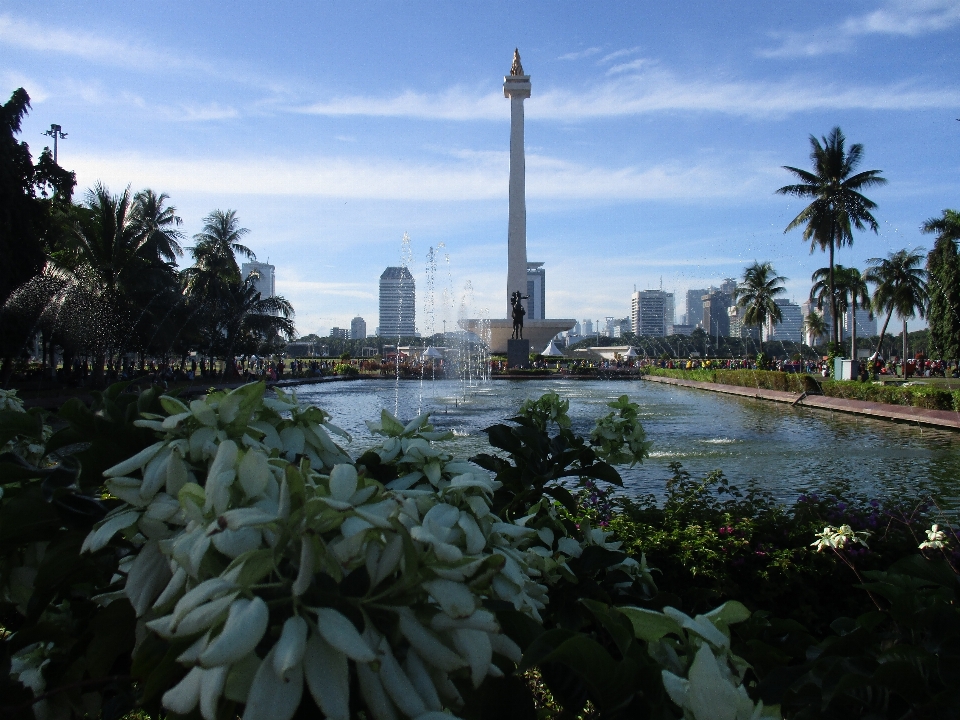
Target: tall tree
<point>837,205</point>
<point>851,284</point>
<point>215,266</point>
<point>158,224</point>
<point>815,326</point>
<point>821,292</point>
<point>32,198</point>
<point>900,286</point>
<point>943,280</point>
<point>757,294</point>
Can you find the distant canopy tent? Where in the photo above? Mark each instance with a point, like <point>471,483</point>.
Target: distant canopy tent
<point>432,352</point>
<point>552,350</point>
<point>631,353</point>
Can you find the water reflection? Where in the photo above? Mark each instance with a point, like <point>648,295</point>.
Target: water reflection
<point>782,449</point>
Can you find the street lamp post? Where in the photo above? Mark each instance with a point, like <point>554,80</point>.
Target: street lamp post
<point>56,132</point>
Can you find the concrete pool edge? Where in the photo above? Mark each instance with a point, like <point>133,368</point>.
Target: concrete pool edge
<point>898,413</point>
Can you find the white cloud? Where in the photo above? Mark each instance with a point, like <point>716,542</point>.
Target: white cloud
<point>473,176</point>
<point>632,66</point>
<point>12,80</point>
<point>580,54</point>
<point>94,47</point>
<point>643,87</point>
<point>454,104</point>
<point>618,54</point>
<point>910,18</point>
<point>907,17</point>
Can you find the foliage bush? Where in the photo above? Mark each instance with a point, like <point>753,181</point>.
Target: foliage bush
<point>236,561</point>
<point>922,396</point>
<point>345,369</point>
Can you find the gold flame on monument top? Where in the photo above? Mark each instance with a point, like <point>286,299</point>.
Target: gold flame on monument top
<point>516,68</point>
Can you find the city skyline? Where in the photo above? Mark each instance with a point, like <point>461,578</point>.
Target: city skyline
<point>655,135</point>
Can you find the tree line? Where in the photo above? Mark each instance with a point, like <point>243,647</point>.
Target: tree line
<point>906,282</point>
<point>97,279</point>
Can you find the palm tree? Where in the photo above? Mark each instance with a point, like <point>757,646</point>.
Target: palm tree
<point>821,293</point>
<point>837,206</point>
<point>900,285</point>
<point>214,256</point>
<point>943,278</point>
<point>853,287</point>
<point>851,292</point>
<point>815,326</point>
<point>756,294</point>
<point>158,224</point>
<point>243,322</point>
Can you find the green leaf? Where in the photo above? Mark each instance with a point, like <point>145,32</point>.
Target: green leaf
<point>649,625</point>
<point>729,613</point>
<point>257,564</point>
<point>618,626</point>
<point>14,423</point>
<point>391,426</point>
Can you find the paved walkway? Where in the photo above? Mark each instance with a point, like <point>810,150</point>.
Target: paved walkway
<point>947,419</point>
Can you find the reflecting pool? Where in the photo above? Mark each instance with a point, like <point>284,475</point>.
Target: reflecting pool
<point>784,450</point>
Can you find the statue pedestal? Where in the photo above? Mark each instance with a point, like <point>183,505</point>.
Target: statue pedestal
<point>518,353</point>
<point>538,332</point>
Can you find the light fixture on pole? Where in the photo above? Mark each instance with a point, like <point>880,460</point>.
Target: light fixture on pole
<point>56,132</point>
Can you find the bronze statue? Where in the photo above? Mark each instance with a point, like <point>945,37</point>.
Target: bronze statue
<point>518,313</point>
<point>516,68</point>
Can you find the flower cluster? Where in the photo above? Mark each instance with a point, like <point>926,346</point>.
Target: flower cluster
<point>936,539</point>
<point>279,565</point>
<point>837,538</point>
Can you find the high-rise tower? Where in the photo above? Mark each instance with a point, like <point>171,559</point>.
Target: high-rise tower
<point>516,86</point>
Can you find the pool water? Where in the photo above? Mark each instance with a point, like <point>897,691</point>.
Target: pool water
<point>782,449</point>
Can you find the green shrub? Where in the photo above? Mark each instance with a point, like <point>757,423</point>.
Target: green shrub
<point>345,369</point>
<point>921,396</point>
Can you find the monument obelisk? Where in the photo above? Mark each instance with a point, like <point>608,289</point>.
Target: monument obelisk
<point>536,333</point>
<point>516,86</point>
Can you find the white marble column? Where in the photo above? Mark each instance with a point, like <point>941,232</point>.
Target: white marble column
<point>517,88</point>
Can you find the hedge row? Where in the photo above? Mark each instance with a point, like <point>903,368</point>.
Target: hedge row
<point>922,396</point>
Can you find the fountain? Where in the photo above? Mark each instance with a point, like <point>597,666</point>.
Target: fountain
<point>536,333</point>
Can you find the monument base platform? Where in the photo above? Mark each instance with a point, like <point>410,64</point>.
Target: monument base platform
<point>518,353</point>
<point>538,332</point>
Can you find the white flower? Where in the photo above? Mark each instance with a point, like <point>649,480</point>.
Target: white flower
<point>837,538</point>
<point>935,538</point>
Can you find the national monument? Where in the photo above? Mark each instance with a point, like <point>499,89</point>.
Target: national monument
<point>536,333</point>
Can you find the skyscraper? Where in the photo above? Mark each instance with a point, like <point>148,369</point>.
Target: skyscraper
<point>358,328</point>
<point>398,295</point>
<point>695,307</point>
<point>716,320</point>
<point>536,289</point>
<point>651,313</point>
<point>790,328</point>
<point>263,276</point>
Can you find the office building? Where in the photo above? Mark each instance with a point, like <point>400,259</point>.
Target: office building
<point>338,333</point>
<point>866,323</point>
<point>716,321</point>
<point>652,313</point>
<point>262,275</point>
<point>398,296</point>
<point>358,328</point>
<point>683,329</point>
<point>737,328</point>
<point>790,327</point>
<point>536,290</point>
<point>695,307</point>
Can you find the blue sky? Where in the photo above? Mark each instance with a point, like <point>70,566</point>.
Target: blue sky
<point>654,135</point>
